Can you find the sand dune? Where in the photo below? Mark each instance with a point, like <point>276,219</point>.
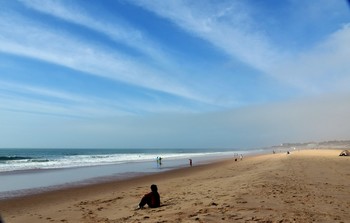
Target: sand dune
<point>305,186</point>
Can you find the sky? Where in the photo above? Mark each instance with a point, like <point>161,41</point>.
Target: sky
<point>173,74</point>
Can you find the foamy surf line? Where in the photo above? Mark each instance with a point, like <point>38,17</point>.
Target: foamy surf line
<point>94,168</point>
<point>53,159</point>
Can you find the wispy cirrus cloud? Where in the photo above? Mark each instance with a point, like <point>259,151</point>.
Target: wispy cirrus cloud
<point>39,91</point>
<point>29,98</point>
<point>30,39</point>
<point>118,31</point>
<point>230,27</point>
<point>43,100</point>
<point>227,26</point>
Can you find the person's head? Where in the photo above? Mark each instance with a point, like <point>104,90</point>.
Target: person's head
<point>154,188</point>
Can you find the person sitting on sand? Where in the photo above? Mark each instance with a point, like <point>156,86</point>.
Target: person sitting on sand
<point>152,199</point>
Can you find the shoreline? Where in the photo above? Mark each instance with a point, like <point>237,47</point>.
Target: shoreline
<point>36,181</point>
<point>303,186</point>
<point>81,192</point>
<point>137,176</point>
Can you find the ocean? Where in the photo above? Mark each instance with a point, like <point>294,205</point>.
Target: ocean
<point>24,171</point>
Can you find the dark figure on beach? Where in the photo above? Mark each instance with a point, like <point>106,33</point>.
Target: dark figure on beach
<point>190,162</point>
<point>152,199</point>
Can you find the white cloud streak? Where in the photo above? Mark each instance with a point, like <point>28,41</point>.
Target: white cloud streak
<point>225,26</point>
<point>30,39</point>
<point>57,102</point>
<point>41,100</point>
<point>229,26</point>
<point>118,31</point>
<point>29,89</point>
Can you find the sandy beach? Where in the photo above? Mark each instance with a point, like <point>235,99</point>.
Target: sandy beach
<point>304,186</point>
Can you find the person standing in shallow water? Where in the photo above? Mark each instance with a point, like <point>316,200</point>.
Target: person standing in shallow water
<point>152,199</point>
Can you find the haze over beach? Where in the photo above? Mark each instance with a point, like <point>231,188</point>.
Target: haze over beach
<point>173,74</point>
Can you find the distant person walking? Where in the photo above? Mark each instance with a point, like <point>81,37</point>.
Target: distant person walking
<point>159,161</point>
<point>190,162</point>
<point>241,156</point>
<point>152,199</point>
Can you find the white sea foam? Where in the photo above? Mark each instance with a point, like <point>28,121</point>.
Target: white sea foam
<point>94,166</point>
<point>72,161</point>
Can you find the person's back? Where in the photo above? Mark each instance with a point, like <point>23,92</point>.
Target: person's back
<point>152,199</point>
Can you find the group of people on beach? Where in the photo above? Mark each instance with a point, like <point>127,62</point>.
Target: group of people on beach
<point>159,161</point>
<point>236,156</point>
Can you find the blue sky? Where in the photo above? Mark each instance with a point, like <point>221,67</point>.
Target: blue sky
<point>174,74</point>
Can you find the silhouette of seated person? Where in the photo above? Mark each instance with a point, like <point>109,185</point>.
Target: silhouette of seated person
<point>152,199</point>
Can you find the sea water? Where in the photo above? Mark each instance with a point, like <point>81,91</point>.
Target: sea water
<point>24,171</point>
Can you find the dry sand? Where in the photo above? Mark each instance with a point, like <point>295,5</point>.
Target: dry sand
<point>305,186</point>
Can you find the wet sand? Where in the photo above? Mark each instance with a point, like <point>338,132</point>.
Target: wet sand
<point>305,186</point>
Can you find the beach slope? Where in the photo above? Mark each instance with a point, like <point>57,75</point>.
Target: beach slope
<point>304,186</point>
